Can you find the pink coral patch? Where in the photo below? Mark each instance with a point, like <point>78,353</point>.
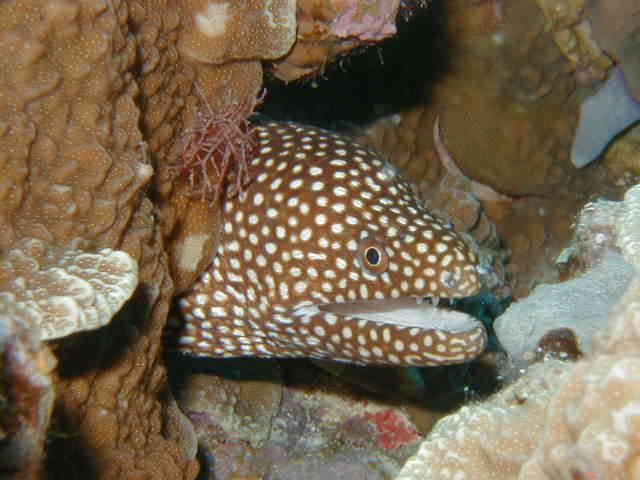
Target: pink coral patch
<point>393,430</point>
<point>368,21</point>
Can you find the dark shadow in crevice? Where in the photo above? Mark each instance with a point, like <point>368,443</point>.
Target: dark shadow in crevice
<point>360,87</point>
<point>104,347</point>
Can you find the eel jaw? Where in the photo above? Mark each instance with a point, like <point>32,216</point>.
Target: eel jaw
<point>421,312</point>
<point>458,337</point>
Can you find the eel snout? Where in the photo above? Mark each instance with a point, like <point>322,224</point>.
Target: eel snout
<point>416,330</point>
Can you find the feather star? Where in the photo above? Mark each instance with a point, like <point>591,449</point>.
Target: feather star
<point>329,254</point>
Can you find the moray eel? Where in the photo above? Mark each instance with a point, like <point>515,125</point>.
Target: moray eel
<point>329,254</point>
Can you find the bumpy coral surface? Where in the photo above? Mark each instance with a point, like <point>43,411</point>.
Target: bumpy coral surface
<point>72,152</point>
<point>581,303</point>
<point>294,423</point>
<point>592,427</point>
<point>492,439</point>
<point>507,98</point>
<point>26,396</point>
<point>614,28</point>
<point>592,34</point>
<point>329,28</point>
<point>95,97</point>
<point>64,292</point>
<point>582,423</point>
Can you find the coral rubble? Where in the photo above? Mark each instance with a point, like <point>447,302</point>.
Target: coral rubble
<point>289,423</point>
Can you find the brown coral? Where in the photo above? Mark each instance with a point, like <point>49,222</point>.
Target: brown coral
<point>330,28</point>
<point>26,396</point>
<point>508,99</point>
<point>94,97</point>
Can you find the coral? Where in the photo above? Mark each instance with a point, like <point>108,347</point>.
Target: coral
<point>392,430</point>
<point>329,28</point>
<point>578,421</point>
<point>591,428</point>
<point>491,439</point>
<point>195,232</point>
<point>569,24</point>
<point>71,145</point>
<point>613,26</point>
<point>604,229</point>
<point>603,116</point>
<point>65,291</point>
<point>579,304</point>
<point>479,190</point>
<point>95,99</point>
<point>507,98</point>
<point>592,35</point>
<point>26,396</point>
<point>628,226</point>
<point>365,20</point>
<point>291,421</point>
<point>216,32</point>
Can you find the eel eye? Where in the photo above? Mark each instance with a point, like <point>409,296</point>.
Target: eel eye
<point>373,256</point>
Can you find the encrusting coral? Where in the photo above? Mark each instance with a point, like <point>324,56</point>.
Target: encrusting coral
<point>592,427</point>
<point>26,396</point>
<point>330,28</point>
<point>490,439</point>
<point>578,304</point>
<point>95,101</point>
<point>95,98</point>
<point>592,35</point>
<point>507,96</point>
<point>582,424</point>
<point>68,291</point>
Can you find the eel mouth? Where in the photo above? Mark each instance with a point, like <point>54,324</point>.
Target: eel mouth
<point>422,312</point>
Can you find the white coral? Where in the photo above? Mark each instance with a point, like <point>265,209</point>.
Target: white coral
<point>629,227</point>
<point>65,291</point>
<point>482,440</point>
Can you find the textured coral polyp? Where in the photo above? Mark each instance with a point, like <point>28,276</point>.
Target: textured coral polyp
<point>366,21</point>
<point>394,431</point>
<point>216,151</point>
